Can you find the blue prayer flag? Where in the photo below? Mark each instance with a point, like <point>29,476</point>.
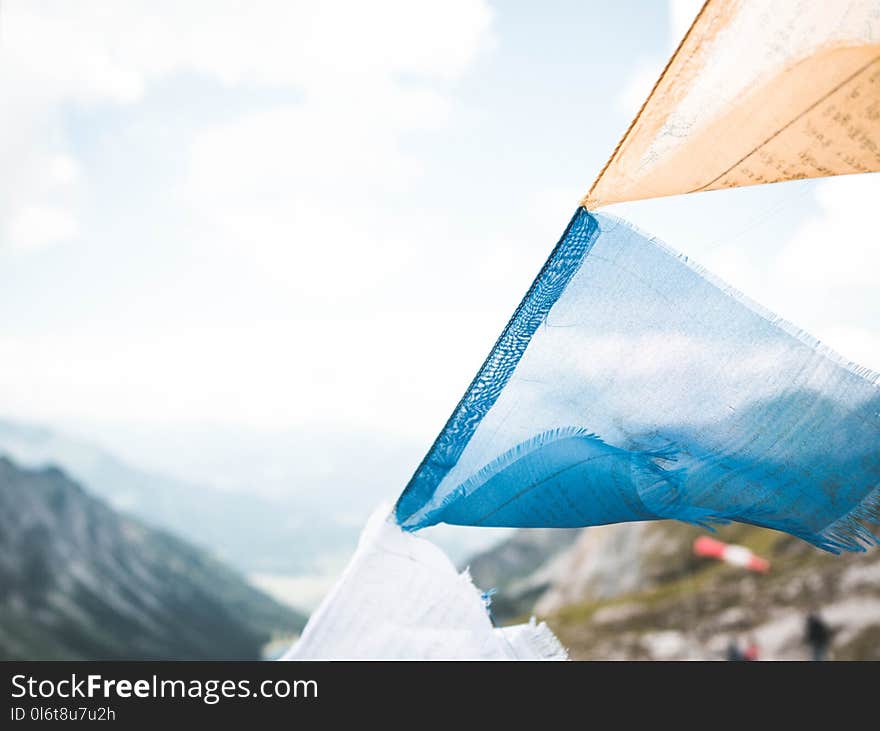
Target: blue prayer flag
<point>631,385</point>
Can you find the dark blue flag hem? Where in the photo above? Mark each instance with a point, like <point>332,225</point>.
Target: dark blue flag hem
<point>631,385</point>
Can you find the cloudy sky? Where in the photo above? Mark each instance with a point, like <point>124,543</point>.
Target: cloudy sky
<point>282,215</point>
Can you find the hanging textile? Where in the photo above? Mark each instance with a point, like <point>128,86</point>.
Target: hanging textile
<point>400,598</point>
<point>630,385</point>
<point>757,92</point>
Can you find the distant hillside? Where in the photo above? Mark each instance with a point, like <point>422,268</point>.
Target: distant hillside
<point>520,568</point>
<point>80,581</point>
<point>308,529</point>
<point>252,533</point>
<point>636,591</point>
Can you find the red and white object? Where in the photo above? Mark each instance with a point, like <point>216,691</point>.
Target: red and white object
<point>731,554</point>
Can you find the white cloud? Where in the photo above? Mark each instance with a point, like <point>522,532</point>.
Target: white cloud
<point>295,193</point>
<point>860,344</point>
<point>646,71</point>
<point>35,226</point>
<point>63,171</point>
<point>839,245</point>
<point>106,50</point>
<point>365,69</point>
<point>299,191</point>
<point>362,371</point>
<point>822,275</point>
<point>635,89</point>
<point>38,204</point>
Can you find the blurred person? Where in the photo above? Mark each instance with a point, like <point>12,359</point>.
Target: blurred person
<point>734,654</point>
<point>751,652</point>
<point>817,635</point>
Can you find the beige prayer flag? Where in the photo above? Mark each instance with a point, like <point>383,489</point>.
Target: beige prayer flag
<point>758,91</point>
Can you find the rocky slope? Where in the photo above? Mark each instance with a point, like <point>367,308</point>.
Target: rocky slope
<point>80,581</point>
<point>520,568</point>
<point>636,591</point>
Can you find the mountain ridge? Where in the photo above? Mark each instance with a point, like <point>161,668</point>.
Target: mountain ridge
<point>80,581</point>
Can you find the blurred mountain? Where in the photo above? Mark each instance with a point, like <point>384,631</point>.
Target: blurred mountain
<point>80,581</point>
<point>254,534</point>
<point>284,507</point>
<point>636,591</point>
